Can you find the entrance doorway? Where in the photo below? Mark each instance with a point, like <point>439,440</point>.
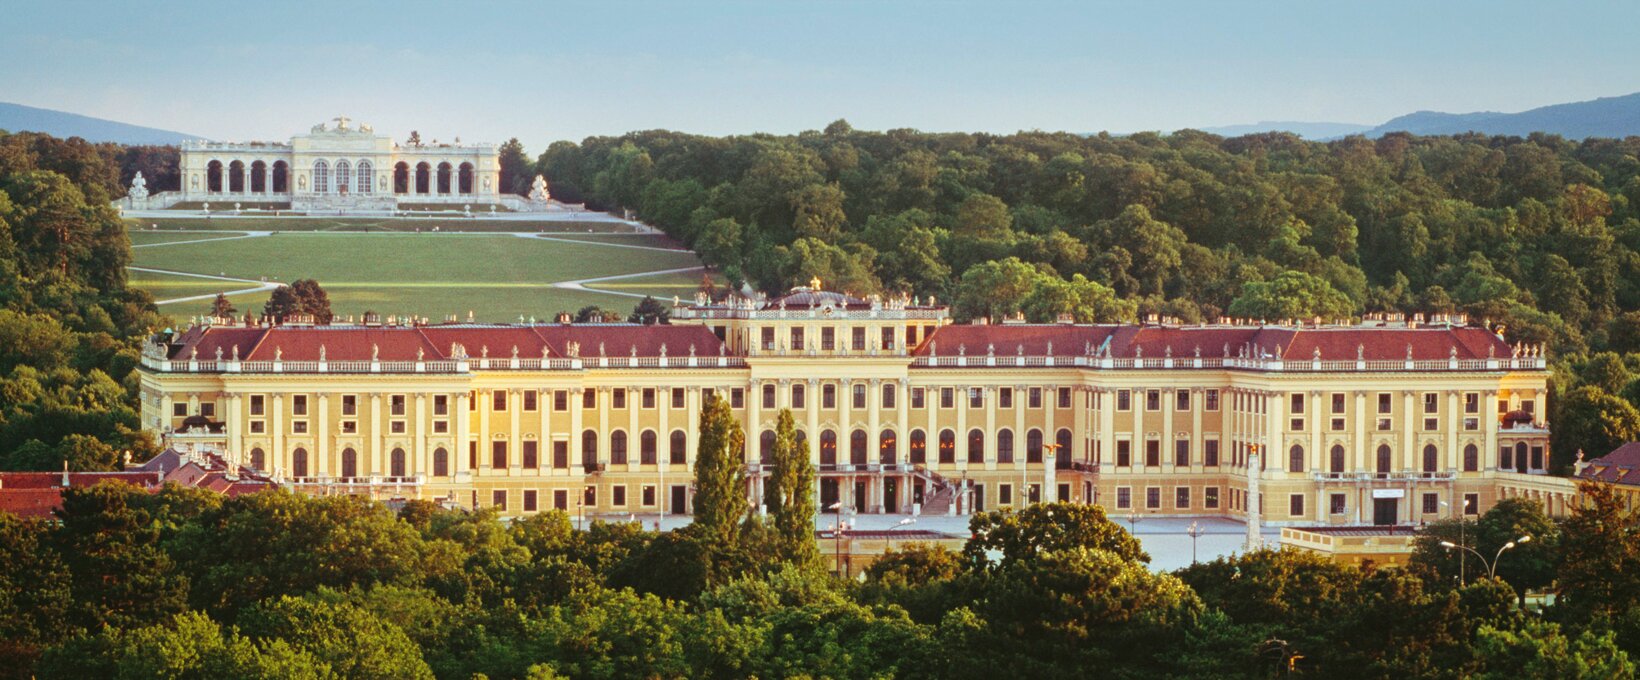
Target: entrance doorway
<point>680,498</point>
<point>828,494</point>
<point>860,497</point>
<point>1385,511</point>
<point>891,495</point>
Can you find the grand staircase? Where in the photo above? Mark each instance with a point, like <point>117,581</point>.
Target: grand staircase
<point>941,494</point>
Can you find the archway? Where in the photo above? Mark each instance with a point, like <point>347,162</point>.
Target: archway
<point>919,447</point>
<point>857,447</point>
<point>1005,445</point>
<point>441,462</point>
<point>886,449</point>
<point>466,178</point>
<point>213,177</point>
<point>236,177</point>
<point>396,463</point>
<point>424,178</point>
<point>280,178</point>
<point>445,175</point>
<point>828,449</point>
<point>401,178</point>
<point>976,446</point>
<point>259,177</point>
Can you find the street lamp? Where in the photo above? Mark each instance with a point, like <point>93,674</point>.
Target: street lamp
<point>837,536</point>
<point>1133,521</point>
<point>1195,530</point>
<point>1463,527</point>
<point>1492,566</point>
<point>902,523</point>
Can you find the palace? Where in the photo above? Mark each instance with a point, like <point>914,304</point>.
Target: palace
<point>341,167</point>
<point>1383,422</point>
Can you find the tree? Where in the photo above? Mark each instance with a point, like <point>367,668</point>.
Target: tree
<point>119,574</point>
<point>649,312</point>
<point>35,597</point>
<point>994,290</point>
<point>596,314</point>
<point>414,139</point>
<point>1291,295</point>
<point>791,493</point>
<point>515,167</point>
<point>352,641</point>
<point>1085,301</point>
<point>983,216</point>
<point>1538,649</point>
<point>1527,566</point>
<point>302,296</point>
<point>720,496</point>
<point>222,308</point>
<point>1046,528</point>
<point>1593,422</point>
<point>818,211</point>
<point>1599,572</point>
<point>188,645</point>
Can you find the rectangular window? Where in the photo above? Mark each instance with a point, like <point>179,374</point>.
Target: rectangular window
<point>259,426</point>
<point>1124,400</point>
<point>441,405</point>
<point>828,339</point>
<point>1005,494</point>
<point>498,400</point>
<point>396,427</point>
<point>258,403</point>
<point>350,427</point>
<point>1297,399</point>
<point>1005,397</point>
<point>888,337</point>
<point>617,495</point>
<point>1338,504</point>
<point>768,395</point>
<point>472,455</point>
<point>1338,402</point>
<point>828,396</point>
<point>1384,401</point>
<point>917,400</point>
<point>860,338</point>
<point>395,405</point>
<point>1383,424</point>
<point>1471,424</point>
<point>1153,453</point>
<point>1471,504</point>
<point>1181,452</point>
<point>1153,498</point>
<point>948,397</point>
<point>1210,498</point>
<point>1432,503</point>
<point>767,335</point>
<point>1295,505</point>
<point>737,399</point>
<point>472,401</point>
<point>498,454</point>
<point>179,409</point>
<point>1153,400</point>
<point>1034,398</point>
<point>298,427</point>
<point>1064,397</point>
<point>1472,402</point>
<point>560,400</point>
<point>350,405</point>
<point>1432,423</point>
<point>1210,453</point>
<point>1528,405</point>
<point>560,455</point>
<point>589,497</point>
<point>1336,424</point>
<point>648,496</point>
<point>797,339</point>
<point>1124,498</point>
<point>207,409</point>
<point>529,500</point>
<point>441,427</point>
<point>498,498</point>
<point>1124,453</point>
<point>798,394</point>
<point>677,398</point>
<point>531,398</point>
<point>647,398</point>
<point>1212,400</point>
<point>589,397</point>
<point>560,499</point>
<point>298,405</point>
<point>859,396</point>
<point>1181,497</point>
<point>532,454</point>
<point>1295,425</point>
<point>976,397</point>
<point>617,398</point>
<point>889,395</point>
<point>1181,400</point>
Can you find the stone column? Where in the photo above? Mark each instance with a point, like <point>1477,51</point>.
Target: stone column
<point>1318,458</point>
<point>1360,454</point>
<point>575,427</point>
<point>1489,418</point>
<point>377,432</point>
<point>1198,447</point>
<point>485,441</point>
<point>992,394</point>
<point>1021,395</point>
<point>276,425</point>
<point>1452,421</point>
<point>319,461</point>
<point>464,422</point>
<point>236,427</point>
<point>515,433</point>
<point>1410,417</point>
<point>1107,432</point>
<point>1169,399</point>
<point>960,445</point>
<point>605,394</point>
<point>634,445</point>
<point>874,443</point>
<point>421,456</point>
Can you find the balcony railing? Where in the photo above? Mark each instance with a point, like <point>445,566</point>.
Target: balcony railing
<point>989,360</point>
<point>1401,476</point>
<point>442,366</point>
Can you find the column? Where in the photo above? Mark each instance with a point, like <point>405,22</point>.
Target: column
<point>754,418</point>
<point>1083,398</point>
<point>485,402</point>
<point>464,422</point>
<point>1318,458</point>
<point>1275,412</point>
<point>691,429</point>
<point>1170,400</point>
<point>376,434</point>
<point>1021,395</point>
<point>604,396</point>
<point>811,404</point>
<point>575,397</point>
<point>1360,454</point>
<point>1489,454</point>
<point>634,398</point>
<point>902,443</point>
<point>992,394</point>
<point>422,465</point>
<point>165,407</point>
<point>1107,431</point>
<point>961,443</point>
<point>280,458</point>
<point>245,179</point>
<point>236,427</point>
<point>1451,420</point>
<point>874,444</point>
<point>515,435</point>
<point>321,453</point>
<point>1410,418</point>
<point>1198,459</point>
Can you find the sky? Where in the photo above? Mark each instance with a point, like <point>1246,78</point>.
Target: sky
<point>544,71</point>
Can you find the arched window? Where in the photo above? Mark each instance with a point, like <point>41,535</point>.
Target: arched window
<point>321,177</point>
<point>258,459</point>
<point>646,447</point>
<point>589,449</point>
<point>886,453</point>
<point>441,462</point>
<point>948,447</point>
<point>919,447</point>
<point>857,451</point>
<point>236,177</point>
<point>976,446</point>
<point>1005,445</point>
<point>396,463</point>
<point>1520,456</point>
<point>367,178</point>
<point>280,179</point>
<point>1471,458</point>
<point>828,448</point>
<point>1033,446</point>
<point>299,463</point>
<point>1295,459</point>
<point>678,454</point>
<point>465,183</point>
<point>1430,458</point>
<point>765,447</point>
<point>215,173</point>
<point>344,177</point>
<point>350,463</point>
<point>404,179</point>
<point>1336,464</point>
<point>1062,448</point>
<point>445,178</point>
<point>424,179</point>
<point>1384,460</point>
<point>617,447</point>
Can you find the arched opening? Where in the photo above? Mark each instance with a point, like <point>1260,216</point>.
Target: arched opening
<point>350,464</point>
<point>589,449</point>
<point>1033,446</point>
<point>1062,448</point>
<point>886,451</point>
<point>678,451</point>
<point>444,178</point>
<point>919,447</point>
<point>1430,458</point>
<point>367,177</point>
<point>976,446</point>
<point>321,177</point>
<point>236,177</point>
<point>280,177</point>
<point>441,462</point>
<point>259,177</point>
<point>1471,458</point>
<point>466,178</point>
<point>1520,457</point>
<point>948,447</point>
<point>344,177</point>
<point>857,443</point>
<point>1336,460</point>
<point>617,447</point>
<point>765,447</point>
<point>424,178</point>
<point>828,449</point>
<point>1295,459</point>
<point>401,178</point>
<point>395,463</point>
<point>299,463</point>
<point>1005,445</point>
<point>213,177</point>
<point>646,447</point>
<point>1384,460</point>
<point>258,459</point>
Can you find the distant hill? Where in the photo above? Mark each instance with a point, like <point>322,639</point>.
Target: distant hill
<point>1307,130</point>
<point>1604,117</point>
<point>19,118</point>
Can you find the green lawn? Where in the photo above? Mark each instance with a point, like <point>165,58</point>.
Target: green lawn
<point>409,225</point>
<point>141,238</point>
<point>497,277</point>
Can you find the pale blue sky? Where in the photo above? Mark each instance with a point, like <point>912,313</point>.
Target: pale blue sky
<point>544,71</point>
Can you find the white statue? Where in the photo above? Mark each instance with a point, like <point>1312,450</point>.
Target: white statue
<point>538,190</point>
<point>139,188</point>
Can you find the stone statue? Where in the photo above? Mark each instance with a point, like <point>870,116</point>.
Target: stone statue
<point>218,352</point>
<point>420,353</point>
<point>538,190</point>
<point>321,352</point>
<point>139,188</point>
<point>375,352</point>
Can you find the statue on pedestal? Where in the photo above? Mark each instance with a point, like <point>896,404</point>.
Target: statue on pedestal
<point>538,190</point>
<point>139,188</point>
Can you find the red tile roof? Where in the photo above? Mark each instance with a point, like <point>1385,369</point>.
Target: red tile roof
<point>1011,339</point>
<point>1339,343</point>
<point>401,343</point>
<point>30,502</point>
<point>1621,466</point>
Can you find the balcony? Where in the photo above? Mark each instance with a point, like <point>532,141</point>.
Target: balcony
<point>1387,477</point>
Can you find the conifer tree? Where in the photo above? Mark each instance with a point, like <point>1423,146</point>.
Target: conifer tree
<point>791,494</point>
<point>720,497</point>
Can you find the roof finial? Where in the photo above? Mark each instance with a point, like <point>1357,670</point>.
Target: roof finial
<point>814,283</point>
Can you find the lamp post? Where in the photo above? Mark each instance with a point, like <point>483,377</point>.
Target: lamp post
<point>1463,529</point>
<point>1133,522</point>
<point>897,525</point>
<point>1195,530</point>
<point>837,536</point>
<point>1492,566</point>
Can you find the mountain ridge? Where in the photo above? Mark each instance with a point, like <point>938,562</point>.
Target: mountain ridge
<point>22,118</point>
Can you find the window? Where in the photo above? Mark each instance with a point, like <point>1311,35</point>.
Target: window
<point>532,454</point>
<point>589,398</point>
<point>1181,400</point>
<point>1528,405</point>
<point>472,401</point>
<point>976,446</point>
<point>1431,458</point>
<point>560,499</point>
<point>1296,424</point>
<point>1432,503</point>
<point>828,396</point>
<point>678,448</point>
<point>1033,399</point>
<point>350,463</point>
<point>208,409</point>
<point>299,462</point>
<point>617,398</point>
<point>1384,460</point>
<point>1181,497</point>
<point>648,496</point>
<point>1181,452</point>
<point>1384,424</point>
<point>529,500</point>
<point>560,400</point>
<point>767,335</point>
<point>617,495</point>
<point>1153,400</point>
<point>1005,397</point>
<point>976,397</point>
<point>948,397</point>
<point>797,395</point>
<point>298,427</point>
<point>1336,425</point>
<point>396,463</point>
<point>859,338</point>
<point>1384,402</point>
<point>768,396</point>
<point>828,448</point>
<point>350,405</point>
<point>1338,402</point>
<point>259,426</point>
<point>646,447</point>
<point>441,405</point>
<point>1124,453</point>
<point>737,398</point>
<point>1471,424</point>
<point>530,400</point>
<point>886,453</point>
<point>589,497</point>
<point>888,337</point>
<point>1210,453</point>
<point>1124,497</point>
<point>1005,494</point>
<point>364,170</point>
<point>889,394</point>
<point>1210,497</point>
<point>1005,445</point>
<point>1212,400</point>
<point>1336,459</point>
<point>589,449</point>
<point>441,427</point>
<point>498,454</point>
<point>1432,402</point>
<point>1337,504</point>
<point>1471,504</point>
<point>948,447</point>
<point>919,447</point>
<point>797,338</point>
<point>498,498</point>
<point>859,398</point>
<point>1153,497</point>
<point>1295,505</point>
<point>1295,459</point>
<point>917,400</point>
<point>1471,458</point>
<point>1064,397</point>
<point>1033,446</point>
<point>1153,453</point>
<point>1472,402</point>
<point>441,462</point>
<point>828,339</point>
<point>677,397</point>
<point>350,426</point>
<point>472,455</point>
<point>560,455</point>
<point>647,398</point>
<point>179,409</point>
<point>396,427</point>
<point>617,447</point>
<point>258,404</point>
<point>498,400</point>
<point>321,177</point>
<point>1124,400</point>
<point>344,177</point>
<point>1297,399</point>
<point>298,405</point>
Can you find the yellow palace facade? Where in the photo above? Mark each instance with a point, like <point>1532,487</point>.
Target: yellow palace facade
<point>1387,422</point>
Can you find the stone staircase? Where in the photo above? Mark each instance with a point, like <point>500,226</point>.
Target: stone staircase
<point>941,495</point>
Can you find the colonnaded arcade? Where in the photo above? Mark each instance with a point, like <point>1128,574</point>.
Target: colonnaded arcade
<point>1379,422</point>
<point>340,167</point>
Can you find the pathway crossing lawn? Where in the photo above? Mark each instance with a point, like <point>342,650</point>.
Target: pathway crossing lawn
<point>409,225</point>
<point>662,286</point>
<point>167,286</point>
<point>496,276</point>
<point>143,238</point>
